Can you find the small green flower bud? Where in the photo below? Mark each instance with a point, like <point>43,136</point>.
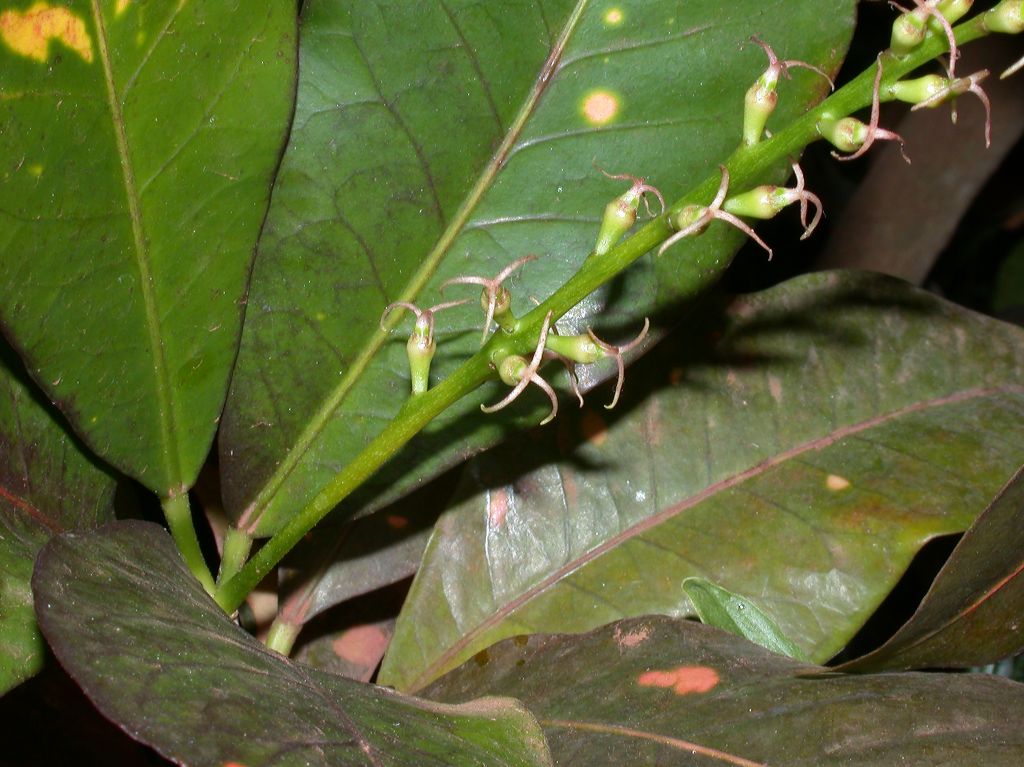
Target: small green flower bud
<point>581,349</point>
<point>511,369</point>
<point>502,308</point>
<point>954,10</point>
<point>420,350</point>
<point>758,105</point>
<point>847,134</point>
<point>762,202</point>
<point>1007,17</point>
<point>908,32</point>
<point>920,90</point>
<point>689,216</point>
<point>619,216</point>
<point>621,213</point>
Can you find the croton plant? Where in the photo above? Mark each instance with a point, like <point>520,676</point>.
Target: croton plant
<point>277,278</point>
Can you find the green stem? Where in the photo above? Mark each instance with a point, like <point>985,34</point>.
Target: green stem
<point>178,514</point>
<point>282,636</point>
<point>747,166</point>
<point>237,544</point>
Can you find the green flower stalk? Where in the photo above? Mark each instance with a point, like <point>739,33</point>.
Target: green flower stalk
<point>620,214</point>
<point>421,345</point>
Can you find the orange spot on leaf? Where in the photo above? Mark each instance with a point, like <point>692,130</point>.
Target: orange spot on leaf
<point>683,680</point>
<point>396,522</point>
<point>28,34</point>
<point>497,508</point>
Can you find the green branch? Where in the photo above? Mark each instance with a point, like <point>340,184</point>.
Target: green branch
<point>747,166</point>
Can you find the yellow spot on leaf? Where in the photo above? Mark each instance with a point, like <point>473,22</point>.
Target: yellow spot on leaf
<point>683,680</point>
<point>29,33</point>
<point>837,483</point>
<point>600,107</point>
<point>36,170</point>
<point>613,17</point>
<point>121,7</point>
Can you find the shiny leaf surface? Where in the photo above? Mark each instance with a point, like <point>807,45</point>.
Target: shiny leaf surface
<point>660,691</point>
<point>807,443</point>
<point>158,657</point>
<point>139,141</point>
<point>440,139</point>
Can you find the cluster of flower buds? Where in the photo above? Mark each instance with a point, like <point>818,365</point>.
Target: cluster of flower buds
<point>513,369</point>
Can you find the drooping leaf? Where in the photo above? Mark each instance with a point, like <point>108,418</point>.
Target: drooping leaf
<point>439,139</point>
<point>48,483</point>
<point>806,445</point>
<point>158,657</point>
<point>972,613</point>
<point>731,612</point>
<point>660,691</point>
<point>139,142</point>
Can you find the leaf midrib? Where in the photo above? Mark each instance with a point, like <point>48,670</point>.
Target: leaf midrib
<point>442,662</point>
<point>250,518</point>
<point>164,399</point>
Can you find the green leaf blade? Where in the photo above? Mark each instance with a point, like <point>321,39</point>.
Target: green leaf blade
<point>179,675</point>
<point>655,690</point>
<point>731,612</point>
<point>780,462</point>
<point>48,483</point>
<point>146,157</point>
<point>420,191</point>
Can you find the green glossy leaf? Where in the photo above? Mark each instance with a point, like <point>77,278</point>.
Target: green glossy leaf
<point>48,483</point>
<point>972,613</point>
<point>731,612</point>
<point>669,692</point>
<point>804,445</point>
<point>439,139</point>
<point>139,143</point>
<point>158,657</point>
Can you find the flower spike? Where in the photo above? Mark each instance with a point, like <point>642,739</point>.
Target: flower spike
<point>851,135</point>
<point>495,299</point>
<point>694,219</point>
<point>518,373</point>
<point>421,346</point>
<point>617,352</point>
